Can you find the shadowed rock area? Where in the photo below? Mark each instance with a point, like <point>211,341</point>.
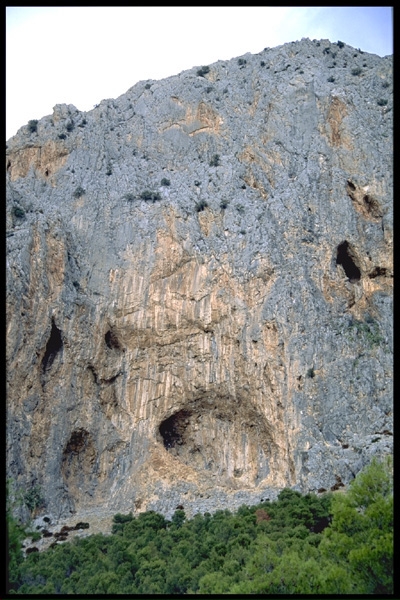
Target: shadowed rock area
<point>199,286</point>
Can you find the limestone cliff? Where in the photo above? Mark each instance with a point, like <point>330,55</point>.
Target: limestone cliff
<point>199,286</point>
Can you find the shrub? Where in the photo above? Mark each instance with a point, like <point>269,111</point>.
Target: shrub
<point>385,84</point>
<point>382,102</point>
<point>120,518</point>
<point>214,162</point>
<point>356,71</point>
<point>262,515</point>
<point>242,61</point>
<point>129,196</point>
<point>32,125</point>
<point>81,525</point>
<point>331,79</point>
<point>69,126</point>
<point>18,212</point>
<point>340,44</point>
<point>165,181</point>
<point>33,498</point>
<point>262,63</point>
<point>147,86</point>
<point>200,206</point>
<point>311,373</point>
<point>34,535</point>
<point>79,192</point>
<point>202,71</point>
<point>62,136</point>
<point>147,195</point>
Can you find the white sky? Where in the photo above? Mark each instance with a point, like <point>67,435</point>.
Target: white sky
<point>83,55</point>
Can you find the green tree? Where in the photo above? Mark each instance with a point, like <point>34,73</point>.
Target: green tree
<point>178,518</point>
<point>360,538</point>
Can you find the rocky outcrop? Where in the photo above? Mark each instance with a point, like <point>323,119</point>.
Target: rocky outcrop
<point>199,286</point>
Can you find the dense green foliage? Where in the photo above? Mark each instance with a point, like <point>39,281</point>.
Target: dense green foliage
<point>335,543</point>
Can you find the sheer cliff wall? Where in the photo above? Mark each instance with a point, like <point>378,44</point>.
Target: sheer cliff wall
<point>199,286</point>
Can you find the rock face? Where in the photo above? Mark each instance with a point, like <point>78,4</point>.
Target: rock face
<point>199,286</point>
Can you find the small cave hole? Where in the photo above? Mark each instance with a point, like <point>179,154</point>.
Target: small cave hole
<point>54,345</point>
<point>346,257</point>
<point>351,186</point>
<point>77,442</point>
<point>372,206</point>
<point>112,340</point>
<point>172,429</point>
<point>377,272</point>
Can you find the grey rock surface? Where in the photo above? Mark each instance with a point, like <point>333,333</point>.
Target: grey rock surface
<point>199,286</point>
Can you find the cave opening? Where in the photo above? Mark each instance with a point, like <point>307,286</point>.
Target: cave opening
<point>111,340</point>
<point>372,206</point>
<point>54,346</point>
<point>378,272</point>
<point>172,429</point>
<point>77,442</point>
<point>346,257</point>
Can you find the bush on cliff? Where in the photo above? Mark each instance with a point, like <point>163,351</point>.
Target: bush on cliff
<point>335,543</point>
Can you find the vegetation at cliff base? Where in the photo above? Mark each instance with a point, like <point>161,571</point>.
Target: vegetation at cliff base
<point>338,543</point>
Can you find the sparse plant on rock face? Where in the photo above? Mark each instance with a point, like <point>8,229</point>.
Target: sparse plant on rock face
<point>382,102</point>
<point>203,71</point>
<point>79,192</point>
<point>32,125</point>
<point>242,61</point>
<point>340,44</point>
<point>33,498</point>
<point>147,195</point>
<point>200,206</point>
<point>18,212</point>
<point>356,71</point>
<point>62,136</point>
<point>129,196</point>
<point>165,181</point>
<point>214,162</point>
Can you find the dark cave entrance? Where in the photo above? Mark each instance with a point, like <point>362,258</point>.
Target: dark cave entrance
<point>112,341</point>
<point>54,345</point>
<point>347,258</point>
<point>172,429</point>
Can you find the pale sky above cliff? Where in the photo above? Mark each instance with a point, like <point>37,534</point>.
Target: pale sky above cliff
<point>82,55</point>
